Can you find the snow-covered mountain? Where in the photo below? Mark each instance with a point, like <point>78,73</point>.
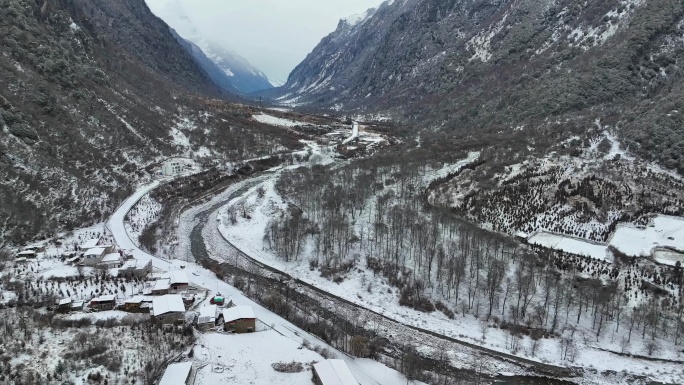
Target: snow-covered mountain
<point>465,65</point>
<point>238,75</point>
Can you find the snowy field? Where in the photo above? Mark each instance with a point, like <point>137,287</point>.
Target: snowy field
<point>276,121</point>
<point>664,231</point>
<point>571,245</point>
<point>247,359</point>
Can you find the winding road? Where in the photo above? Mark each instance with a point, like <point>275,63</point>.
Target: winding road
<point>366,371</point>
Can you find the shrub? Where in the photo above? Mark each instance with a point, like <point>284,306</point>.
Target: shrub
<point>288,367</point>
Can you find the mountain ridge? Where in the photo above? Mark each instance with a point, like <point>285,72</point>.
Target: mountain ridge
<point>497,66</point>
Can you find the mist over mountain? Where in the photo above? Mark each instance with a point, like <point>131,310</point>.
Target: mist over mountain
<point>237,74</point>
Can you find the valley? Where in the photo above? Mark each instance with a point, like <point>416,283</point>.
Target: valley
<point>442,192</point>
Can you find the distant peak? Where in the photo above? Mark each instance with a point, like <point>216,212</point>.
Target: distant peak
<point>359,18</point>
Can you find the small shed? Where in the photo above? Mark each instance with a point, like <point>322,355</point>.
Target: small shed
<point>105,302</point>
<point>239,319</point>
<point>28,254</point>
<point>177,374</point>
<point>64,305</point>
<point>168,308</point>
<point>207,317</point>
<point>333,372</point>
<point>77,305</point>
<point>138,303</point>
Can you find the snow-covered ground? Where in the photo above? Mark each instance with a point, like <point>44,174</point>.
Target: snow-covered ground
<point>276,121</point>
<point>247,359</point>
<point>664,231</point>
<point>571,245</point>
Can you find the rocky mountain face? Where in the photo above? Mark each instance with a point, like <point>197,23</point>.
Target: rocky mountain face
<point>480,67</point>
<point>92,92</point>
<point>236,73</point>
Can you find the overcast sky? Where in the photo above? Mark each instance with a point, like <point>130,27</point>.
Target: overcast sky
<point>274,35</point>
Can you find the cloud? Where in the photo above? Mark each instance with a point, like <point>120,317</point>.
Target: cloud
<point>273,35</point>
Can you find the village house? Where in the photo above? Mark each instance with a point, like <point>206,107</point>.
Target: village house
<point>161,287</point>
<point>177,374</point>
<point>178,281</point>
<point>138,303</point>
<point>168,309</point>
<point>36,248</point>
<point>93,256</point>
<point>239,319</point>
<point>136,268</point>
<point>333,372</point>
<point>207,317</point>
<point>105,302</point>
<point>111,260</point>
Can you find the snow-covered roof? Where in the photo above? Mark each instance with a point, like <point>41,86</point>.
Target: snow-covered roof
<point>104,298</point>
<point>178,277</point>
<point>64,301</point>
<point>138,299</point>
<point>27,252</point>
<point>135,264</point>
<point>207,314</point>
<point>113,257</point>
<point>162,284</point>
<point>238,312</point>
<point>335,372</point>
<point>176,374</point>
<point>90,243</point>
<point>95,251</point>
<point>77,304</point>
<point>170,303</point>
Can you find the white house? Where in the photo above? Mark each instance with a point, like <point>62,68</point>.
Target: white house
<point>177,374</point>
<point>111,260</point>
<point>207,317</point>
<point>93,256</point>
<point>168,308</point>
<point>333,372</point>
<point>172,167</point>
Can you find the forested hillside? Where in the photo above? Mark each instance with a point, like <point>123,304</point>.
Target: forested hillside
<point>91,92</point>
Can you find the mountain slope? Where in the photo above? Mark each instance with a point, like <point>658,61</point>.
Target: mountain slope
<point>243,77</point>
<point>500,65</point>
<point>91,92</point>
